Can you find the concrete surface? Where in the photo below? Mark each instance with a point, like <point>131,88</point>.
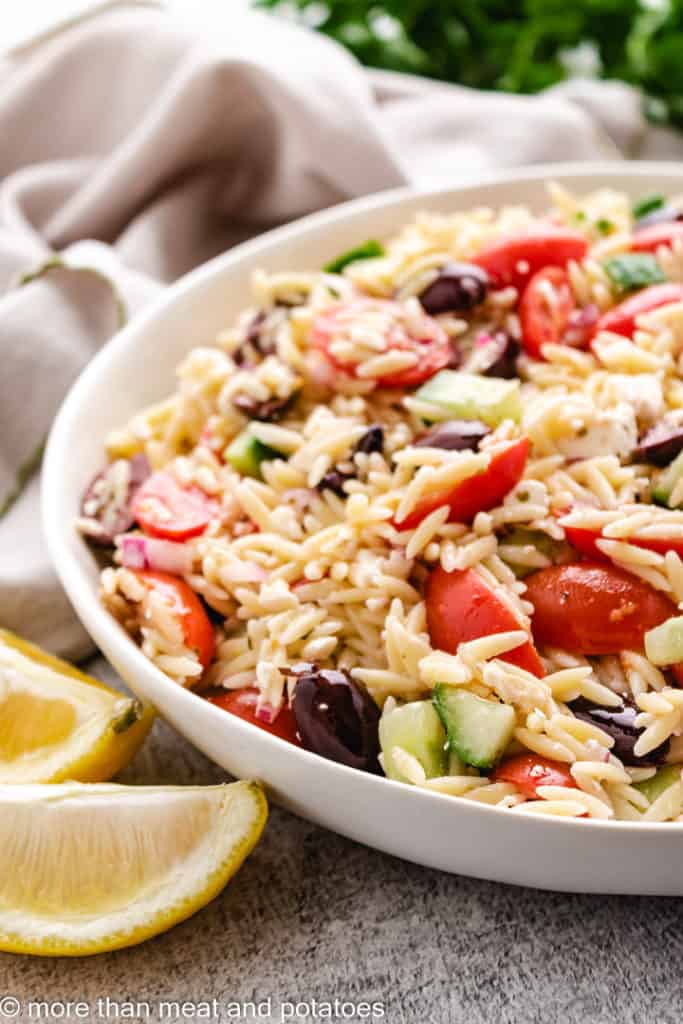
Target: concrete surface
<point>312,916</point>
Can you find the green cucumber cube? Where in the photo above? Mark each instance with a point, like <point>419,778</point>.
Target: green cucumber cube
<point>370,250</point>
<point>470,396</point>
<point>245,454</point>
<point>478,730</point>
<point>664,777</point>
<point>416,728</point>
<point>664,644</point>
<point>668,479</point>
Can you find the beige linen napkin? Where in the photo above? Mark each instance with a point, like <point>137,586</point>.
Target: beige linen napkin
<point>137,144</point>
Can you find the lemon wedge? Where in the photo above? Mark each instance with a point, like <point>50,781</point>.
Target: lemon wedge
<point>57,723</point>
<point>87,869</point>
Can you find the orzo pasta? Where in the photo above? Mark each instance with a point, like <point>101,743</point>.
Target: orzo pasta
<point>421,511</point>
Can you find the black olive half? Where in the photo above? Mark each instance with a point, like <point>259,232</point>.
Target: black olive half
<point>337,719</point>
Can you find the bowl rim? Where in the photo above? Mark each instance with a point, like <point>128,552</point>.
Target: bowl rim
<point>77,587</point>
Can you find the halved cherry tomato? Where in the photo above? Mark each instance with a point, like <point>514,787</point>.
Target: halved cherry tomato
<point>431,346</point>
<point>590,608</point>
<point>585,539</point>
<point>197,629</point>
<point>529,771</point>
<point>515,259</point>
<point>622,318</point>
<point>545,310</point>
<point>652,238</point>
<point>243,704</point>
<point>164,508</point>
<point>477,493</point>
<point>461,607</point>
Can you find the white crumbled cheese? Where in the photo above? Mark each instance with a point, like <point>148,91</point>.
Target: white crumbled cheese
<point>609,432</point>
<point>642,391</point>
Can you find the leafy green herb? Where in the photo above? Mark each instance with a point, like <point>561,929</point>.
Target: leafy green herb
<point>646,205</point>
<point>366,251</point>
<point>604,226</point>
<point>514,45</point>
<point>634,270</point>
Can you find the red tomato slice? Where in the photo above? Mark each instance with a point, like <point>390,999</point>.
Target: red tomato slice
<point>515,259</point>
<point>545,310</point>
<point>652,238</point>
<point>477,493</point>
<point>590,608</point>
<point>461,607</point>
<point>432,347</point>
<point>622,318</point>
<point>197,629</point>
<point>164,508</point>
<point>529,771</point>
<point>584,540</point>
<point>243,704</point>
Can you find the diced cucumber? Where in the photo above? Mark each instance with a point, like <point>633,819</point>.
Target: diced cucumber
<point>470,396</point>
<point>664,644</point>
<point>478,730</point>
<point>668,479</point>
<point>369,250</point>
<point>245,454</point>
<point>647,205</point>
<point>660,781</point>
<point>631,270</point>
<point>417,729</point>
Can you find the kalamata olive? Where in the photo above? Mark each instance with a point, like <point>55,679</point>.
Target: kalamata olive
<point>660,445</point>
<point>454,436</point>
<point>371,441</point>
<point>458,288</point>
<point>259,336</point>
<point>106,503</point>
<point>619,723</point>
<point>334,481</point>
<point>266,411</point>
<point>662,215</point>
<point>251,349</point>
<point>337,719</point>
<point>494,355</point>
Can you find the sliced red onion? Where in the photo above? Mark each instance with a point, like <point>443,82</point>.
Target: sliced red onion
<point>581,326</point>
<point>140,552</point>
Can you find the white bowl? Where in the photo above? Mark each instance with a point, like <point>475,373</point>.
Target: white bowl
<point>137,367</point>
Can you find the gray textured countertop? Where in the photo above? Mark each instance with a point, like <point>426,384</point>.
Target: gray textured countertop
<point>312,916</point>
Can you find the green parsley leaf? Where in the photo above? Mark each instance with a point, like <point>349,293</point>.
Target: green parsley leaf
<point>646,205</point>
<point>366,251</point>
<point>634,270</point>
<point>604,226</point>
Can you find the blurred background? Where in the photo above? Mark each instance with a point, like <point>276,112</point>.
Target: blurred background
<point>511,45</point>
